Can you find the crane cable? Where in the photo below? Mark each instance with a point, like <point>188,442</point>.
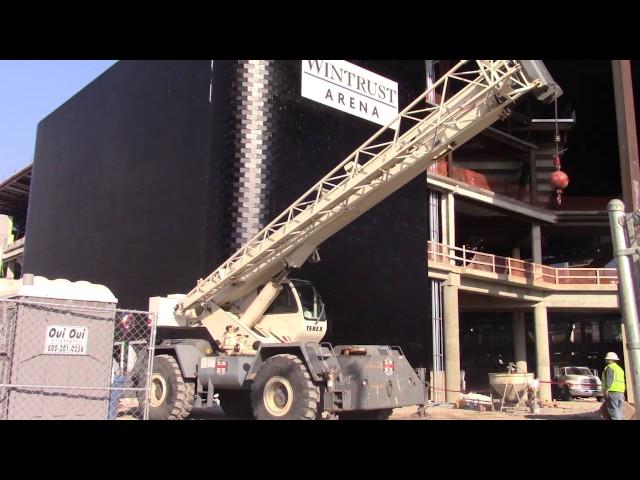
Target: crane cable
<point>556,160</point>
<point>557,194</point>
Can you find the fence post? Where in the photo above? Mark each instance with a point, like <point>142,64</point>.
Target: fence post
<point>151,352</point>
<point>627,295</point>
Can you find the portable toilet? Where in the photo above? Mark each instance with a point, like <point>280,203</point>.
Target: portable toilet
<point>56,348</point>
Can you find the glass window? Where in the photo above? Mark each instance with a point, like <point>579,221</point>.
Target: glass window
<point>307,296</point>
<point>561,332</point>
<point>611,331</point>
<point>503,336</point>
<point>592,332</point>
<point>285,302</point>
<point>472,336</point>
<point>575,332</point>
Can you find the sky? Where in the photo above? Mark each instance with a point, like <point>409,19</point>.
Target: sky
<point>29,91</point>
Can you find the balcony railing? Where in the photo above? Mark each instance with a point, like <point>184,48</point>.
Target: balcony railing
<point>515,268</point>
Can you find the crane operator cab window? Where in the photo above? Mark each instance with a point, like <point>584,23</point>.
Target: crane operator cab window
<point>312,306</point>
<point>285,302</point>
<point>303,297</point>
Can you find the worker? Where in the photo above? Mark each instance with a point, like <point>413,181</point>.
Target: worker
<point>613,386</point>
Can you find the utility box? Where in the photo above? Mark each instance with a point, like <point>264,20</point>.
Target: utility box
<point>56,349</point>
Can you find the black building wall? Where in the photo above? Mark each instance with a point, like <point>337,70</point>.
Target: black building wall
<point>121,182</point>
<point>136,185</point>
<point>373,274</point>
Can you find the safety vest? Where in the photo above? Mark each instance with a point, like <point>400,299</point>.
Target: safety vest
<point>618,384</point>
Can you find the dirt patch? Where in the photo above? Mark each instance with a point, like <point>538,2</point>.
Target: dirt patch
<point>583,409</point>
<point>573,410</point>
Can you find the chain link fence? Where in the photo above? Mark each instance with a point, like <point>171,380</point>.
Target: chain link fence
<point>73,360</point>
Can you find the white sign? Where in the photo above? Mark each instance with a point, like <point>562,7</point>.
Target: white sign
<point>66,340</point>
<point>349,88</point>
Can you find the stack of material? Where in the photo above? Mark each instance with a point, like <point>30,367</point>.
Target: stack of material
<point>475,401</point>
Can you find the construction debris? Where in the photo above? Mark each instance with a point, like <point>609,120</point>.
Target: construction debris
<point>476,401</point>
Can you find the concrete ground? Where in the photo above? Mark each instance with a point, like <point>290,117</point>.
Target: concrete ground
<point>580,409</point>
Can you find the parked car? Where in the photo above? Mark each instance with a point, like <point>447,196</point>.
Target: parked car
<point>574,382</point>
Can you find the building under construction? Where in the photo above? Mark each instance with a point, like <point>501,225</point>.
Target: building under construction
<point>158,170</point>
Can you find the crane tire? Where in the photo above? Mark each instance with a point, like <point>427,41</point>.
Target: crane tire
<point>170,396</point>
<point>382,414</point>
<point>236,403</point>
<point>283,390</point>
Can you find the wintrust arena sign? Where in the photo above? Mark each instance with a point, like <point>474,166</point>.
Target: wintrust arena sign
<point>349,88</point>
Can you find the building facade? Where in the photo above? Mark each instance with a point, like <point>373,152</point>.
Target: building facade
<point>514,276</point>
<point>153,174</point>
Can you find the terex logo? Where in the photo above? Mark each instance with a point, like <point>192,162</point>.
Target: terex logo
<point>312,328</point>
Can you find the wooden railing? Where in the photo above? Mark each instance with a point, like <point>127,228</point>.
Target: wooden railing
<point>513,267</point>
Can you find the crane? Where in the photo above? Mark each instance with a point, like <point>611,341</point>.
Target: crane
<point>244,329</point>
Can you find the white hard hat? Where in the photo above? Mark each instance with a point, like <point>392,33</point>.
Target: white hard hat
<point>611,356</point>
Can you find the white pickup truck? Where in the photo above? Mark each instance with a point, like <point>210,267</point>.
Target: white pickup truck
<point>575,382</point>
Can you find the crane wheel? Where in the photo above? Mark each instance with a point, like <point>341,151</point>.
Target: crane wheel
<point>170,396</point>
<point>283,390</point>
<point>382,414</point>
<point>236,403</point>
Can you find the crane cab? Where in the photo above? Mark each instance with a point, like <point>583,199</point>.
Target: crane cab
<point>296,315</point>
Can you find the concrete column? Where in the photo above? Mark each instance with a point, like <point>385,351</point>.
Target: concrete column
<point>627,133</point>
<point>519,342</point>
<point>451,337</point>
<point>543,362</point>
<point>536,243</point>
<point>10,273</point>
<point>629,161</point>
